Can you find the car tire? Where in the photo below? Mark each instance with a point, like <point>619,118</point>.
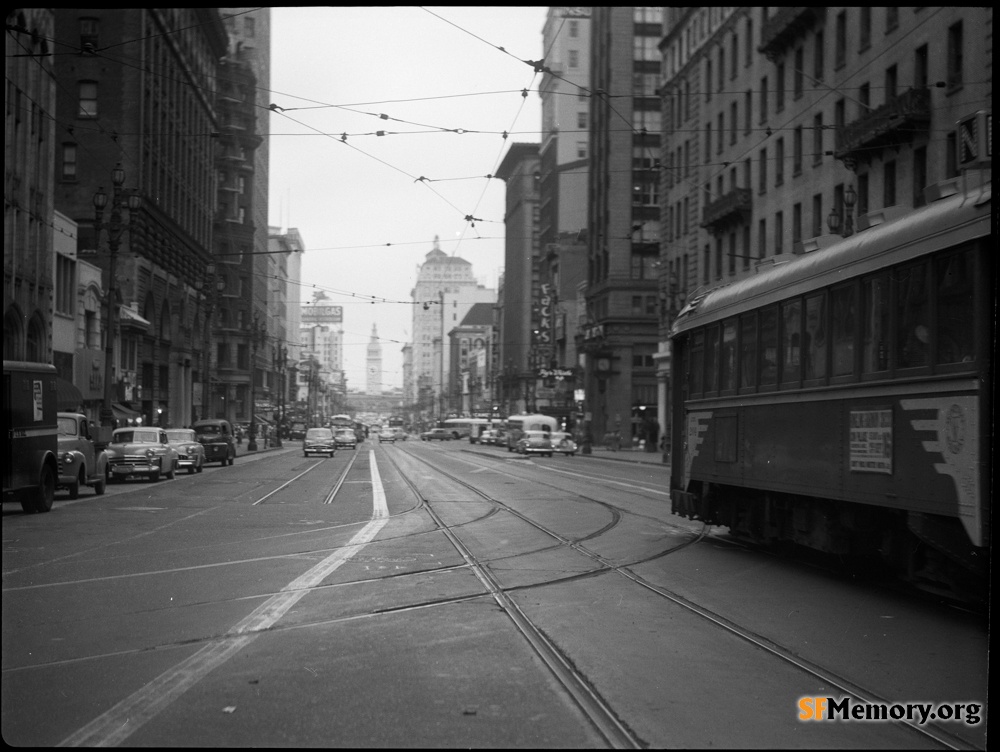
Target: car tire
<point>232,456</point>
<point>74,489</point>
<point>191,470</point>
<point>41,499</point>
<point>201,466</point>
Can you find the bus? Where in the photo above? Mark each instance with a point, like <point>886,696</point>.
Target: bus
<point>518,424</point>
<point>466,427</point>
<point>843,400</point>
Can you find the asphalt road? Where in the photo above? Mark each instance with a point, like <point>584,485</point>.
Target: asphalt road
<point>373,600</point>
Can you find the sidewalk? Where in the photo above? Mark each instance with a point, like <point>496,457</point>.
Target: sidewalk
<point>625,455</point>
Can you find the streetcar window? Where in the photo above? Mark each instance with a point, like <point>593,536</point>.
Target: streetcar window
<point>748,350</point>
<point>844,303</point>
<point>955,334</point>
<point>768,346</point>
<point>814,339</point>
<point>875,330</point>
<point>791,341</point>
<point>728,356</point>
<point>711,358</point>
<point>697,361</point>
<point>912,316</point>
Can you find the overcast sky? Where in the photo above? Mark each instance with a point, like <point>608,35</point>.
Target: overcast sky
<point>365,216</point>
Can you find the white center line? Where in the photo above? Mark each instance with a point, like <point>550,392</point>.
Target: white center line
<point>125,718</point>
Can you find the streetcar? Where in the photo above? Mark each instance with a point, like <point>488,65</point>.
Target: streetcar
<point>842,400</point>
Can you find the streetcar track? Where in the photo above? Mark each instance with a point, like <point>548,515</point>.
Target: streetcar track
<point>930,731</point>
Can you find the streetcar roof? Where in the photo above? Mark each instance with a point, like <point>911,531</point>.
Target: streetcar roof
<point>944,223</point>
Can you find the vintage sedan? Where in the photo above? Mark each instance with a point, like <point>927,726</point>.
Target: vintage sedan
<point>535,442</point>
<point>562,443</point>
<point>216,435</point>
<point>436,434</point>
<point>141,451</point>
<point>190,453</point>
<point>319,441</point>
<point>345,437</point>
<point>386,435</point>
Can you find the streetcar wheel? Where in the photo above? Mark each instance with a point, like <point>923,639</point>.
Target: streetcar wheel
<point>41,499</point>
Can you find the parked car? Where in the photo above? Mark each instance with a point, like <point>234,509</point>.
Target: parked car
<point>141,451</point>
<point>190,453</point>
<point>80,464</point>
<point>400,434</point>
<point>386,435</point>
<point>562,443</point>
<point>488,437</point>
<point>216,436</point>
<point>436,434</point>
<point>319,441</point>
<point>534,442</point>
<point>345,437</point>
<point>297,432</point>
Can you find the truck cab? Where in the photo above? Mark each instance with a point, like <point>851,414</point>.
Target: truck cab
<point>80,462</point>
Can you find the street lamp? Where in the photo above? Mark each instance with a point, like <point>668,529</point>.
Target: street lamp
<point>115,229</point>
<point>834,219</point>
<point>256,339</point>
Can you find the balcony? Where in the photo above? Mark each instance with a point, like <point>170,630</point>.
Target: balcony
<point>731,209</point>
<point>892,124</point>
<point>784,27</point>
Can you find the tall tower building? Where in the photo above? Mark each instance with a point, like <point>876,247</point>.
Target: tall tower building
<point>373,373</point>
<point>444,293</point>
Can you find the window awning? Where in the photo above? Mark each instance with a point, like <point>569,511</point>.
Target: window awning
<point>123,413</point>
<point>69,399</point>
<point>129,317</point>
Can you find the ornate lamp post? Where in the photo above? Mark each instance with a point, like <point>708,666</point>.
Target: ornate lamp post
<point>115,229</point>
<point>833,220</point>
<point>280,357</point>
<point>257,336</point>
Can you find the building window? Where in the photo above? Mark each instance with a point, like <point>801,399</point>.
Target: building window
<point>706,265</point>
<point>951,155</point>
<point>891,82</point>
<point>708,80</point>
<point>65,296</point>
<point>574,58</point>
<point>797,75</point>
<point>797,151</point>
<point>779,231</point>
<point>581,120</point>
<point>761,239</point>
<point>88,99</point>
<point>89,30</point>
<point>708,142</point>
<point>718,258</point>
<point>779,162</point>
<point>864,28</point>
<point>819,52</point>
<point>746,246</point>
<point>721,135</point>
<point>818,138</point>
<point>817,218</point>
<point>763,100</point>
<point>732,122</point>
<point>779,88</point>
<point>796,224</point>
<point>732,254</point>
<point>574,29</point>
<point>69,162</point>
<point>864,99</point>
<point>889,184</point>
<point>733,54</point>
<point>840,48</point>
<point>919,175</point>
<point>747,106</point>
<point>581,149</point>
<point>955,55</point>
<point>920,74</point>
<point>863,198</point>
<point>762,172</point>
<point>891,19</point>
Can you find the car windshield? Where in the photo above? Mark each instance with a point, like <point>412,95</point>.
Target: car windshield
<point>560,436</point>
<point>319,433</point>
<point>136,437</point>
<point>67,426</point>
<point>345,432</point>
<point>212,429</point>
<point>180,434</point>
<point>535,435</point>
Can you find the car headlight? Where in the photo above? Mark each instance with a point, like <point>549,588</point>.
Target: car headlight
<point>66,457</point>
<point>192,449</point>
